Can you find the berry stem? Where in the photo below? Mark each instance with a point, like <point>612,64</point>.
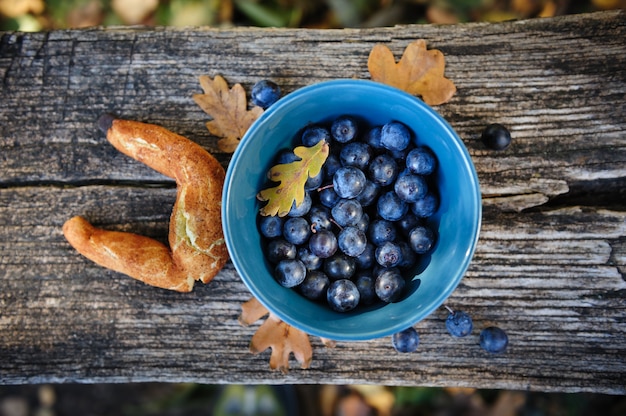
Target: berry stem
<point>320,189</point>
<point>336,223</point>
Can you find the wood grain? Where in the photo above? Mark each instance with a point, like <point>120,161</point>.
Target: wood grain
<point>550,267</point>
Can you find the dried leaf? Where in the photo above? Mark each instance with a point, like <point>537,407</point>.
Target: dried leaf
<point>418,72</point>
<point>292,177</point>
<point>229,110</point>
<point>329,343</point>
<point>277,335</point>
<point>283,340</point>
<point>252,311</point>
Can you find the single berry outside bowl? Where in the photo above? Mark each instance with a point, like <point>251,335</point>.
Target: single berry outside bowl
<point>457,220</point>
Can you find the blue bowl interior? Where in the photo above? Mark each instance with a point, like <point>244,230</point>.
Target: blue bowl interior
<point>457,220</point>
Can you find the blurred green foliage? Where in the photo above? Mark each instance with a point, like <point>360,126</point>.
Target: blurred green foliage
<point>34,15</point>
<point>415,396</point>
<point>190,399</point>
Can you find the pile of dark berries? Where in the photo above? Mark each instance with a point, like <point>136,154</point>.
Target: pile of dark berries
<point>363,221</point>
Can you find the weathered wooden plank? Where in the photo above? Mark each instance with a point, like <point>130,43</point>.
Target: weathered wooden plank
<point>550,279</point>
<point>550,267</point>
<point>557,84</point>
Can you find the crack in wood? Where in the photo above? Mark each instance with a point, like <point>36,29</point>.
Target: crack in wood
<point>118,183</point>
<point>606,193</point>
<point>617,256</point>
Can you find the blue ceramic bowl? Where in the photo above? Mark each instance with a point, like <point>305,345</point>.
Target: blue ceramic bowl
<point>457,220</point>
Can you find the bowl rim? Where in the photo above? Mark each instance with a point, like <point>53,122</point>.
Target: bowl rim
<point>331,85</point>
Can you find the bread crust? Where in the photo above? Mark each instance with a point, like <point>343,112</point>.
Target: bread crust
<point>197,250</point>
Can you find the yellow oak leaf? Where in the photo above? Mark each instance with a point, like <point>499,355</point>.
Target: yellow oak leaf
<point>229,110</point>
<point>418,72</point>
<point>292,177</point>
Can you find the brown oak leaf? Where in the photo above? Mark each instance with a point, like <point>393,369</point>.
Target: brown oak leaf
<point>283,339</point>
<point>252,311</point>
<point>229,110</point>
<point>418,72</point>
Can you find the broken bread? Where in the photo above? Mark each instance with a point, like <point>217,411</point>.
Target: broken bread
<point>197,250</point>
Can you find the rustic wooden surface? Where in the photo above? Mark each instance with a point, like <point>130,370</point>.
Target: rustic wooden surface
<point>550,267</point>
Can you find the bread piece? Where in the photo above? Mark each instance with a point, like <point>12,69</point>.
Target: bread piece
<point>197,250</point>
